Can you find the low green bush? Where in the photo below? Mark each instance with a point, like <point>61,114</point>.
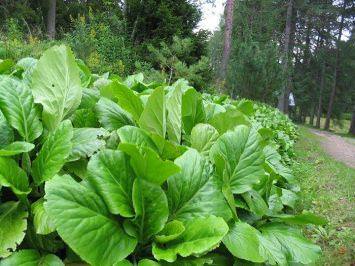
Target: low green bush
<point>109,171</point>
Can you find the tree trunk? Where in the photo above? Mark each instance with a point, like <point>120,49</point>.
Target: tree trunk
<point>51,19</point>
<point>227,37</point>
<point>334,86</point>
<point>320,98</point>
<point>283,101</point>
<point>352,124</point>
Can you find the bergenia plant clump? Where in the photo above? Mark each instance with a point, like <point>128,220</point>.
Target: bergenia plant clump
<point>101,170</point>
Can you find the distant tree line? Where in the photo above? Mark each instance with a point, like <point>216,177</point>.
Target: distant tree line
<point>283,46</point>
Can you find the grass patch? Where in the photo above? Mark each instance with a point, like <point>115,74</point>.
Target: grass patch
<point>327,189</point>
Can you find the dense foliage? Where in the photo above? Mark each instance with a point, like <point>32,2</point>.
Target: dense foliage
<point>112,171</point>
<point>284,131</point>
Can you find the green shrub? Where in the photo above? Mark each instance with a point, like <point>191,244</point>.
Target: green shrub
<point>111,171</point>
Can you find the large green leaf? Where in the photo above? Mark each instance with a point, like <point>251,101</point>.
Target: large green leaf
<point>111,116</point>
<point>56,85</point>
<point>54,153</point>
<point>12,176</point>
<point>174,109</point>
<point>84,222</point>
<point>292,244</point>
<point>151,207</point>
<point>136,135</point>
<point>273,160</point>
<point>202,138</point>
<point>200,236</point>
<point>84,73</point>
<point>6,132</point>
<point>166,148</point>
<point>228,120</point>
<point>255,202</point>
<point>147,164</point>
<point>27,65</point>
<point>289,198</point>
<point>239,158</point>
<point>89,98</point>
<point>41,221</point>
<point>194,192</point>
<point>85,118</point>
<point>15,148</point>
<point>193,111</point>
<point>245,106</point>
<point>171,231</point>
<point>153,118</point>
<point>31,257</point>
<point>242,241</point>
<point>109,172</point>
<point>86,141</point>
<point>16,103</point>
<point>125,98</point>
<point>13,224</point>
<point>302,218</point>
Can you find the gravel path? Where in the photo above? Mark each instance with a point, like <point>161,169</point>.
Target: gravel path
<point>337,146</point>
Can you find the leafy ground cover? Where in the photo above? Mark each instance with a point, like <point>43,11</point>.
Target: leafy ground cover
<point>112,171</point>
<point>327,188</point>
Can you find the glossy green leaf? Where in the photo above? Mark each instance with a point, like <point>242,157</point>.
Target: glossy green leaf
<point>54,153</point>
<point>109,172</point>
<point>146,262</point>
<point>255,202</point>
<point>41,221</point>
<point>171,231</point>
<point>242,241</point>
<point>291,243</point>
<point>147,164</point>
<point>56,85</point>
<point>238,157</point>
<point>12,176</point>
<point>166,148</point>
<point>111,116</point>
<point>6,132</point>
<point>69,202</point>
<point>196,240</point>
<point>228,120</point>
<point>153,118</point>
<point>85,118</point>
<point>245,106</point>
<point>151,208</point>
<point>89,98</point>
<point>84,73</point>
<point>273,159</point>
<point>31,257</point>
<point>125,98</point>
<point>302,218</point>
<point>137,136</point>
<point>13,224</point>
<point>16,103</point>
<point>15,148</point>
<point>203,136</point>
<point>194,192</point>
<point>193,111</point>
<point>86,141</point>
<point>289,198</point>
<point>174,109</point>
